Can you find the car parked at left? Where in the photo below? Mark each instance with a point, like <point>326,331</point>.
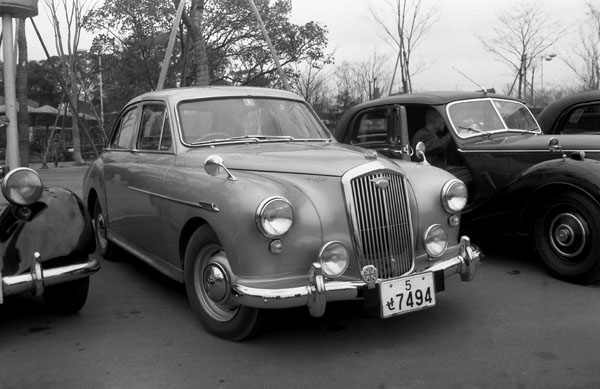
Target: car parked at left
<point>46,242</point>
<point>243,195</point>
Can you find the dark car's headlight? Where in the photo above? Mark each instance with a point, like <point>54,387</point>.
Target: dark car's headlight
<point>274,217</point>
<point>454,196</point>
<point>22,186</point>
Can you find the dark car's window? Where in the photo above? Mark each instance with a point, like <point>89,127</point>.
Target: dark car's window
<point>124,130</point>
<point>155,131</point>
<point>371,127</point>
<point>484,116</point>
<point>223,119</point>
<point>582,120</point>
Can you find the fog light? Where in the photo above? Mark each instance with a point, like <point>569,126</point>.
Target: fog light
<point>334,259</point>
<point>435,241</point>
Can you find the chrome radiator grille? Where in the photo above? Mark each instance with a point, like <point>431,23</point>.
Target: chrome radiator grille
<point>381,221</point>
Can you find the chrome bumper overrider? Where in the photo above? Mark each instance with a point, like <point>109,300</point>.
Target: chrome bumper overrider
<point>319,291</point>
<point>38,278</point>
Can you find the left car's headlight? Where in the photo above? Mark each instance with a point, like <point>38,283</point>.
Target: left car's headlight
<point>22,186</point>
<point>274,217</point>
<point>454,196</point>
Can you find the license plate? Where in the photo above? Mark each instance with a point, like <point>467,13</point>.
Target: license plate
<point>406,294</point>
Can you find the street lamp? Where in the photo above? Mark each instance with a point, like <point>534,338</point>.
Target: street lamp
<point>547,57</point>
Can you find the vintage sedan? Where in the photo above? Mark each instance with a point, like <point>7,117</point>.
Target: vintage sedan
<point>46,238</point>
<point>243,195</point>
<point>520,181</point>
<point>578,113</point>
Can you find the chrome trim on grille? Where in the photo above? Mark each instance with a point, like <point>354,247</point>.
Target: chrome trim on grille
<point>380,219</point>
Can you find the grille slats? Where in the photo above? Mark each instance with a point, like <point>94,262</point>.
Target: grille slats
<point>382,222</point>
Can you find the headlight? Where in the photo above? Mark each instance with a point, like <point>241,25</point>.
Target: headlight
<point>22,186</point>
<point>454,196</point>
<point>334,259</point>
<point>274,217</point>
<point>435,241</point>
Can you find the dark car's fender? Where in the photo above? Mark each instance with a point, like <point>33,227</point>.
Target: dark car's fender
<point>58,227</point>
<point>518,200</point>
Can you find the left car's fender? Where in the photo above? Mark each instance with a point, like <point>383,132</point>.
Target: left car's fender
<point>59,228</point>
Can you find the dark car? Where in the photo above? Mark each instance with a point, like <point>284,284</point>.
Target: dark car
<point>46,238</point>
<point>575,114</point>
<point>243,195</point>
<point>544,187</point>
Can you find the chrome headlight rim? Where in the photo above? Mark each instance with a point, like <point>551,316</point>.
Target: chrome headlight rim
<point>266,210</point>
<point>451,191</point>
<point>22,186</point>
<point>327,257</point>
<point>431,240</point>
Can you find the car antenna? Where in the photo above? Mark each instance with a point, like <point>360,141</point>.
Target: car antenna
<point>485,91</point>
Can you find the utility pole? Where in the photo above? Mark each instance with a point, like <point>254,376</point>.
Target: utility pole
<point>9,9</point>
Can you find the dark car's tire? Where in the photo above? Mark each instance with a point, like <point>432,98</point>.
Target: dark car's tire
<point>106,248</point>
<point>227,320</point>
<point>566,232</point>
<point>68,297</point>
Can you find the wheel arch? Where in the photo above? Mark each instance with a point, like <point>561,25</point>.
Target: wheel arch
<point>186,233</point>
<point>532,203</point>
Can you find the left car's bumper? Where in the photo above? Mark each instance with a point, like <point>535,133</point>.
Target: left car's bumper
<point>319,291</point>
<point>38,278</point>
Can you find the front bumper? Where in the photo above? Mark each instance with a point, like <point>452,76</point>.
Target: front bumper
<point>319,291</point>
<point>38,278</point>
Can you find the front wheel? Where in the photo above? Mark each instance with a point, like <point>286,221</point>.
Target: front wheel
<point>68,297</point>
<point>106,247</point>
<point>566,232</point>
<point>208,286</point>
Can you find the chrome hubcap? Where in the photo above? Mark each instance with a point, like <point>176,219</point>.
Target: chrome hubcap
<point>216,284</point>
<point>568,235</point>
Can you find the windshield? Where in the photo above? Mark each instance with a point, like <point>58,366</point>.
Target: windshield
<point>244,118</point>
<point>486,116</point>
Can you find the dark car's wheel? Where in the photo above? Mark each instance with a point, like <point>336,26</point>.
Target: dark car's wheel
<point>566,233</point>
<point>208,287</point>
<point>68,297</point>
<point>105,246</point>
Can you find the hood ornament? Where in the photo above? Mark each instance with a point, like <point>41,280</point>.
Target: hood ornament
<point>370,154</point>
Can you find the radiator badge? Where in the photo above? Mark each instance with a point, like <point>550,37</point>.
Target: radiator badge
<point>369,275</point>
<point>381,183</point>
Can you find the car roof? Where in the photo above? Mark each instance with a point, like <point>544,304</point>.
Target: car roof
<point>195,92</point>
<point>547,118</point>
<point>426,98</point>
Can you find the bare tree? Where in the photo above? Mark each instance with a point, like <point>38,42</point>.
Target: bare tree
<point>196,59</point>
<point>411,21</point>
<point>585,62</point>
<point>370,76</point>
<point>521,40</point>
<point>67,44</point>
<point>312,79</point>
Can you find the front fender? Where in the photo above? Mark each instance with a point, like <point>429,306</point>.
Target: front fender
<point>58,227</point>
<point>522,194</point>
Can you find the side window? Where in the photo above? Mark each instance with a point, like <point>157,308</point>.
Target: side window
<point>371,127</point>
<point>155,129</point>
<point>583,120</point>
<point>124,130</point>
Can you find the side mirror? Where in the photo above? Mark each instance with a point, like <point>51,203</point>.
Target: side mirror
<point>213,166</point>
<point>420,152</point>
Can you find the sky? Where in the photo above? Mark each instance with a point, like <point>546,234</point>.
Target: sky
<point>453,41</point>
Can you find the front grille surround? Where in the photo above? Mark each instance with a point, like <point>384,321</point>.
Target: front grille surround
<point>380,219</point>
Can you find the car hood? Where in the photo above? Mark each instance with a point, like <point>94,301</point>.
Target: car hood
<point>325,159</point>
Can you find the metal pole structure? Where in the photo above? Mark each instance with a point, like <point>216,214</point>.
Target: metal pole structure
<point>167,60</point>
<point>101,92</point>
<point>10,94</point>
<point>273,53</point>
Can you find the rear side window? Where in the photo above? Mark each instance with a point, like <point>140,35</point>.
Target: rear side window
<point>124,130</point>
<point>155,129</point>
<point>583,120</point>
